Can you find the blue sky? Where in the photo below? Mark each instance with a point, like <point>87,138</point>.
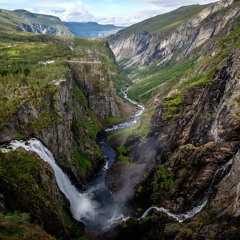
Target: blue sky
<point>118,12</point>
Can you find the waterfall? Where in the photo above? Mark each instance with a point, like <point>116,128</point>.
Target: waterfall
<point>96,207</point>
<point>220,173</point>
<point>81,205</point>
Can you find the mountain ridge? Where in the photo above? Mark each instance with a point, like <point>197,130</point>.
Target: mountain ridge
<point>23,20</point>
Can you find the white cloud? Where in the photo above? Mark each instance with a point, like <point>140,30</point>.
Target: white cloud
<point>174,4</point>
<point>103,12</point>
<point>66,11</point>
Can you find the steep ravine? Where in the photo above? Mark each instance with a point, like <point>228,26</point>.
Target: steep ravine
<point>96,206</point>
<point>66,117</point>
<point>189,149</point>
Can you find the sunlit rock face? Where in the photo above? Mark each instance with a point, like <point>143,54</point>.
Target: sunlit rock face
<point>144,47</point>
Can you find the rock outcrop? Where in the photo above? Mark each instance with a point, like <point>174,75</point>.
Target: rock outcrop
<point>196,144</point>
<point>195,141</point>
<point>96,84</point>
<point>42,28</point>
<point>56,121</point>
<point>28,184</point>
<point>212,113</point>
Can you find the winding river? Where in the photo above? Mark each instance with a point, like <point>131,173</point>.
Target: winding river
<point>97,207</point>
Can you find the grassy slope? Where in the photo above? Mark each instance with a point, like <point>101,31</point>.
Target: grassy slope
<point>23,80</point>
<point>156,77</point>
<point>164,22</point>
<point>157,80</point>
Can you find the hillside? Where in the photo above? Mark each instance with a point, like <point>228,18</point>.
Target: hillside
<point>22,20</point>
<point>176,174</point>
<point>61,91</point>
<point>156,58</point>
<point>163,23</point>
<point>188,136</point>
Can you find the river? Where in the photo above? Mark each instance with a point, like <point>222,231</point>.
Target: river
<point>97,207</point>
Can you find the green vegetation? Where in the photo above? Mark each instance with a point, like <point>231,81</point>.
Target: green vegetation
<point>23,80</point>
<point>31,185</point>
<point>173,107</point>
<point>164,23</point>
<point>21,136</point>
<point>21,170</point>
<point>123,154</point>
<point>153,76</point>
<point>198,68</point>
<point>12,20</point>
<point>84,162</point>
<point>162,183</point>
<point>141,129</point>
<point>17,226</point>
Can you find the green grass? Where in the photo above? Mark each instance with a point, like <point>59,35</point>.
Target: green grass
<point>153,76</point>
<point>164,23</point>
<point>162,183</point>
<point>123,154</point>
<point>84,162</point>
<point>23,80</point>
<point>17,226</point>
<point>156,77</point>
<point>152,79</point>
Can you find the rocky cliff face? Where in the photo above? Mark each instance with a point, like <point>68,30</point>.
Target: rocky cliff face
<point>194,137</point>
<point>193,134</point>
<point>42,28</point>
<point>145,47</point>
<point>28,183</point>
<point>211,115</point>
<point>57,123</point>
<point>97,86</point>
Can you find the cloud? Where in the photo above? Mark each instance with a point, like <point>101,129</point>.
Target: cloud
<point>66,11</point>
<point>174,4</point>
<point>103,12</point>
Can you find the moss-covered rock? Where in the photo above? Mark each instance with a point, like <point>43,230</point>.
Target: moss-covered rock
<point>28,184</point>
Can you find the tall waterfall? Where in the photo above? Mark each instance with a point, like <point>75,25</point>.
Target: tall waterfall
<point>81,205</point>
<point>220,173</point>
<point>97,207</point>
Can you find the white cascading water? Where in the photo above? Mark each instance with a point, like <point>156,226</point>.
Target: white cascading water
<point>81,206</point>
<point>220,173</point>
<point>85,206</point>
<point>135,117</point>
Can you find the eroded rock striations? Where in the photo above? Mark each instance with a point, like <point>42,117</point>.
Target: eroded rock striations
<point>194,145</point>
<point>97,87</point>
<point>193,135</point>
<point>144,47</point>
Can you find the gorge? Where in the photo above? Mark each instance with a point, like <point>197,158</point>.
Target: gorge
<point>131,137</point>
<point>96,207</point>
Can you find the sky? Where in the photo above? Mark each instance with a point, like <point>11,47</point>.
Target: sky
<point>117,12</point>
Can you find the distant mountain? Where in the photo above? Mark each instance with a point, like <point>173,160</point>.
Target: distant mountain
<point>22,20</point>
<point>26,21</point>
<point>92,29</point>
